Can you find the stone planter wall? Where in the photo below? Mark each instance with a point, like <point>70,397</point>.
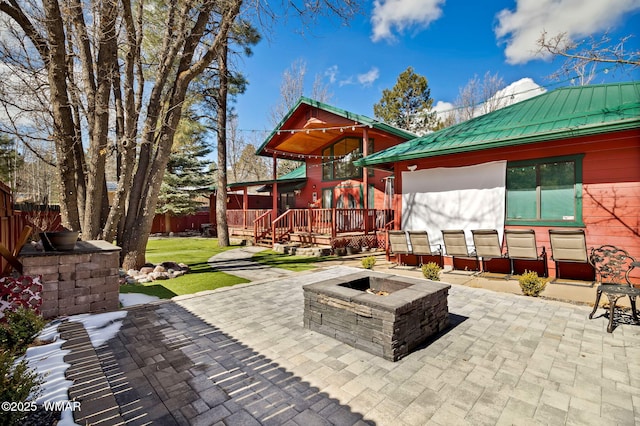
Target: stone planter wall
<point>84,280</point>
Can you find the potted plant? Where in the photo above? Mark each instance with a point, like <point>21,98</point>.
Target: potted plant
<point>53,236</point>
<point>353,247</point>
<point>340,246</point>
<point>64,240</point>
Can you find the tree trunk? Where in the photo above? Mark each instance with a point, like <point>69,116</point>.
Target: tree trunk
<point>64,128</point>
<point>221,193</point>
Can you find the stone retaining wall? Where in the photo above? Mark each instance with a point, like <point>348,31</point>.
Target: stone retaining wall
<point>84,280</point>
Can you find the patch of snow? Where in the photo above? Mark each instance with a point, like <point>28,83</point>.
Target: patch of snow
<point>48,360</point>
<point>130,299</point>
<point>101,327</point>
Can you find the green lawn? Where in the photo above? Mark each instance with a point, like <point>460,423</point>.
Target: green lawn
<point>192,251</point>
<point>284,261</point>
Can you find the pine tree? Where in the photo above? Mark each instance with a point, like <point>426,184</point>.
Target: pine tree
<point>408,104</point>
<point>187,177</point>
<point>10,161</point>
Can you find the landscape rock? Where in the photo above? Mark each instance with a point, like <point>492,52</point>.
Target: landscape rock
<point>150,272</point>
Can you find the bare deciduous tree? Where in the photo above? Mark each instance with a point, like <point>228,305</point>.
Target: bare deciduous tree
<point>583,58</point>
<point>476,98</point>
<point>291,89</point>
<point>104,87</point>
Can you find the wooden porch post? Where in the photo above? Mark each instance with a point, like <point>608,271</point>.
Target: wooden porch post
<point>245,206</point>
<point>365,178</point>
<point>274,191</point>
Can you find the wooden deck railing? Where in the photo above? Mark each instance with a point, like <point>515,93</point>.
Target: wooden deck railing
<point>262,225</point>
<point>244,218</point>
<point>313,221</point>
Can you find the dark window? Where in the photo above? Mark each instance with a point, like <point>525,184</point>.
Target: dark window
<point>338,159</point>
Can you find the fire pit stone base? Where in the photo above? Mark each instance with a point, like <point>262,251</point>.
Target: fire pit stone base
<point>389,326</point>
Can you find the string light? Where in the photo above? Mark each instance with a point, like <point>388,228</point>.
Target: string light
<point>323,129</point>
<point>353,154</point>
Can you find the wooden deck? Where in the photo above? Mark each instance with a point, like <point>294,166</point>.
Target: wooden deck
<point>312,227</point>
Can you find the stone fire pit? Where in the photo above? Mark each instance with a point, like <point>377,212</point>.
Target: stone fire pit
<point>389,326</point>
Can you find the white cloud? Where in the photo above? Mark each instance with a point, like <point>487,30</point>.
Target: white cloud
<point>366,79</point>
<point>389,15</point>
<point>369,77</point>
<point>332,73</point>
<point>522,27</point>
<point>346,81</point>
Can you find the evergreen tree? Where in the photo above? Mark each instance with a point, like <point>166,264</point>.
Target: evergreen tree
<point>10,161</point>
<point>187,176</point>
<point>408,104</point>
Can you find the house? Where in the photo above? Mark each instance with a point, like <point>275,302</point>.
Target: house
<point>569,158</point>
<point>328,198</point>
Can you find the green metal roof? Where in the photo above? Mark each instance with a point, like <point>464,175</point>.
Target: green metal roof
<point>562,113</point>
<point>295,176</point>
<point>341,113</point>
<point>300,172</point>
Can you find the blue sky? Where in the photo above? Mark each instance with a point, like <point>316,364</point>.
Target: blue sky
<point>447,42</point>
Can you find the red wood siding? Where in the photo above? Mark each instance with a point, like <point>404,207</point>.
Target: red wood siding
<point>611,183</point>
<point>314,172</point>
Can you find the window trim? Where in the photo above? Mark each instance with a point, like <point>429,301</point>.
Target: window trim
<point>578,220</point>
<point>333,177</point>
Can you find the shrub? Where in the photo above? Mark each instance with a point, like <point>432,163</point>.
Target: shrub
<point>531,284</point>
<point>431,271</point>
<point>20,329</point>
<point>368,262</point>
<point>17,382</point>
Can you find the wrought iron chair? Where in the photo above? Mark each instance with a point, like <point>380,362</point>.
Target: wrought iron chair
<point>613,267</point>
